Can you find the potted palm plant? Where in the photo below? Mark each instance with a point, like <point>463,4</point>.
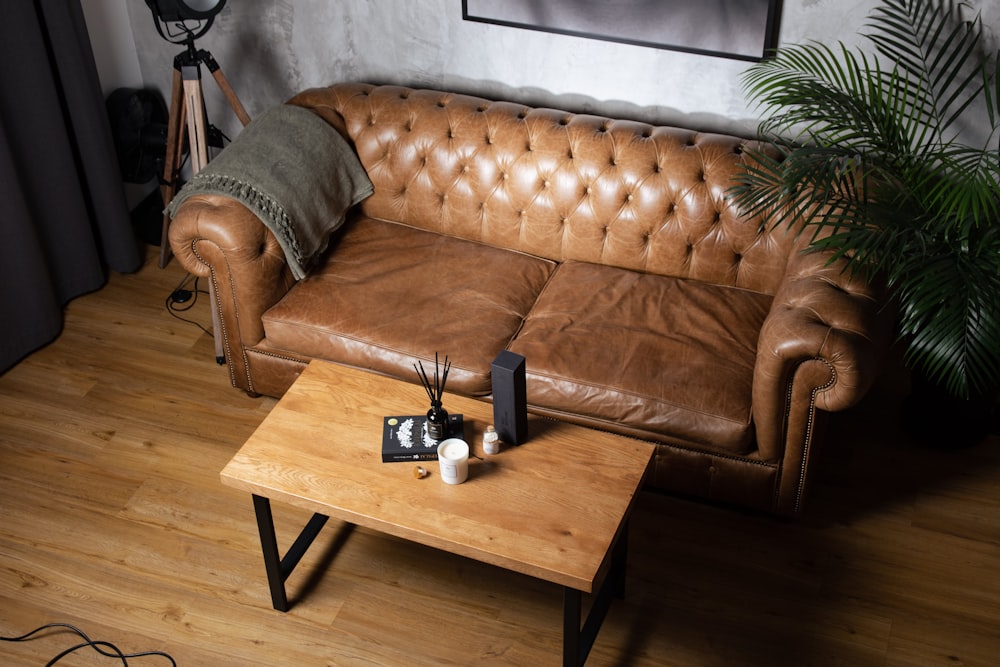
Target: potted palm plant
<point>890,160</point>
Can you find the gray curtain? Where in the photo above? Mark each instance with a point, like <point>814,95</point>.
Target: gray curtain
<point>63,218</point>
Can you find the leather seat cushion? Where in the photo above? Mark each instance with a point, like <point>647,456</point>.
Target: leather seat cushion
<point>389,295</point>
<point>651,352</point>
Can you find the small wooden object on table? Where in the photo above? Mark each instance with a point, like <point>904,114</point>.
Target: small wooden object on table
<point>524,509</point>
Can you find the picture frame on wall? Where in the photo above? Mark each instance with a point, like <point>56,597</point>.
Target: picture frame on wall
<point>740,29</point>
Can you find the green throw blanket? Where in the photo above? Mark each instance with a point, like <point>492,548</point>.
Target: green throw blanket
<point>295,172</point>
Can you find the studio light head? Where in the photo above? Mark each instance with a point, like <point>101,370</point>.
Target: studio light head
<point>175,15</point>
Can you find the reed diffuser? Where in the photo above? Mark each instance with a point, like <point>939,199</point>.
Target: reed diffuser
<point>437,416</point>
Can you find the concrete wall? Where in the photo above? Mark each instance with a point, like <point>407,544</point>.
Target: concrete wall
<point>111,40</point>
<point>270,49</point>
<point>117,61</point>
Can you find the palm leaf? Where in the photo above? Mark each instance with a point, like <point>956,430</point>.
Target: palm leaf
<point>951,317</point>
<point>869,162</point>
<point>936,47</point>
<point>992,93</point>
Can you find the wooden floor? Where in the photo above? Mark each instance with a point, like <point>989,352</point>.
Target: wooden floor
<point>112,518</point>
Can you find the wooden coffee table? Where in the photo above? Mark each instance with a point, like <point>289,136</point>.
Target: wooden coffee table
<point>558,504</point>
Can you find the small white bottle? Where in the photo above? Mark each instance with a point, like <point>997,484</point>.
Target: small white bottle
<point>491,440</point>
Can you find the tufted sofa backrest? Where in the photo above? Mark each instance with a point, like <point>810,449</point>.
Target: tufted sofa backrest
<point>556,184</point>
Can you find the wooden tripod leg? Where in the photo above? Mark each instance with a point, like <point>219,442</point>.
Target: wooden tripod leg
<point>172,160</point>
<point>213,300</point>
<point>244,118</point>
<point>230,95</point>
<point>197,127</point>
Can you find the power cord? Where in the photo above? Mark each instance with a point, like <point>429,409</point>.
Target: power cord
<point>183,299</point>
<point>106,649</point>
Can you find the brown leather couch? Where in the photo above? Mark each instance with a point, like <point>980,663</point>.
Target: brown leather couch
<point>602,250</point>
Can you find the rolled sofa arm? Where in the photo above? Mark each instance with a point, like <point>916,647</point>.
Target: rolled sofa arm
<point>218,238</point>
<point>820,348</point>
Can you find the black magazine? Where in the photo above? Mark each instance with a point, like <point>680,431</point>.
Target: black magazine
<point>404,438</point>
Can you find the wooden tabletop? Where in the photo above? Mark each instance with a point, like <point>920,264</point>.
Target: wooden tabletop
<point>550,508</point>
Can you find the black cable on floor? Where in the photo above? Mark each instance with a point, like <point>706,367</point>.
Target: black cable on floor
<point>183,299</point>
<point>106,649</point>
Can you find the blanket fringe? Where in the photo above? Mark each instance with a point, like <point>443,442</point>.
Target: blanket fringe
<point>259,202</point>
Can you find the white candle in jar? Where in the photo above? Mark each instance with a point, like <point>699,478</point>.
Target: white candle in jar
<point>453,458</point>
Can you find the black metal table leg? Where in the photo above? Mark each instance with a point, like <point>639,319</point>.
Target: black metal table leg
<point>578,641</point>
<point>279,568</point>
<point>572,606</point>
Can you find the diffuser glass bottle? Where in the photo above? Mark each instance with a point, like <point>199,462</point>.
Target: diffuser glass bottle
<point>437,421</point>
<point>437,416</point>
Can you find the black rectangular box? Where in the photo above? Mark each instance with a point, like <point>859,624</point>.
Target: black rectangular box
<point>405,439</point>
<point>510,398</point>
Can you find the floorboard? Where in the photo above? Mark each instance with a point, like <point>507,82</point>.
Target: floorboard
<point>113,519</point>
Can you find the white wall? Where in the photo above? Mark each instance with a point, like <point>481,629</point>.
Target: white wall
<point>270,49</point>
<point>111,40</point>
<point>117,61</point>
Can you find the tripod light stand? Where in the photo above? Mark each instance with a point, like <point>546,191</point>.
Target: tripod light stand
<point>187,117</point>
